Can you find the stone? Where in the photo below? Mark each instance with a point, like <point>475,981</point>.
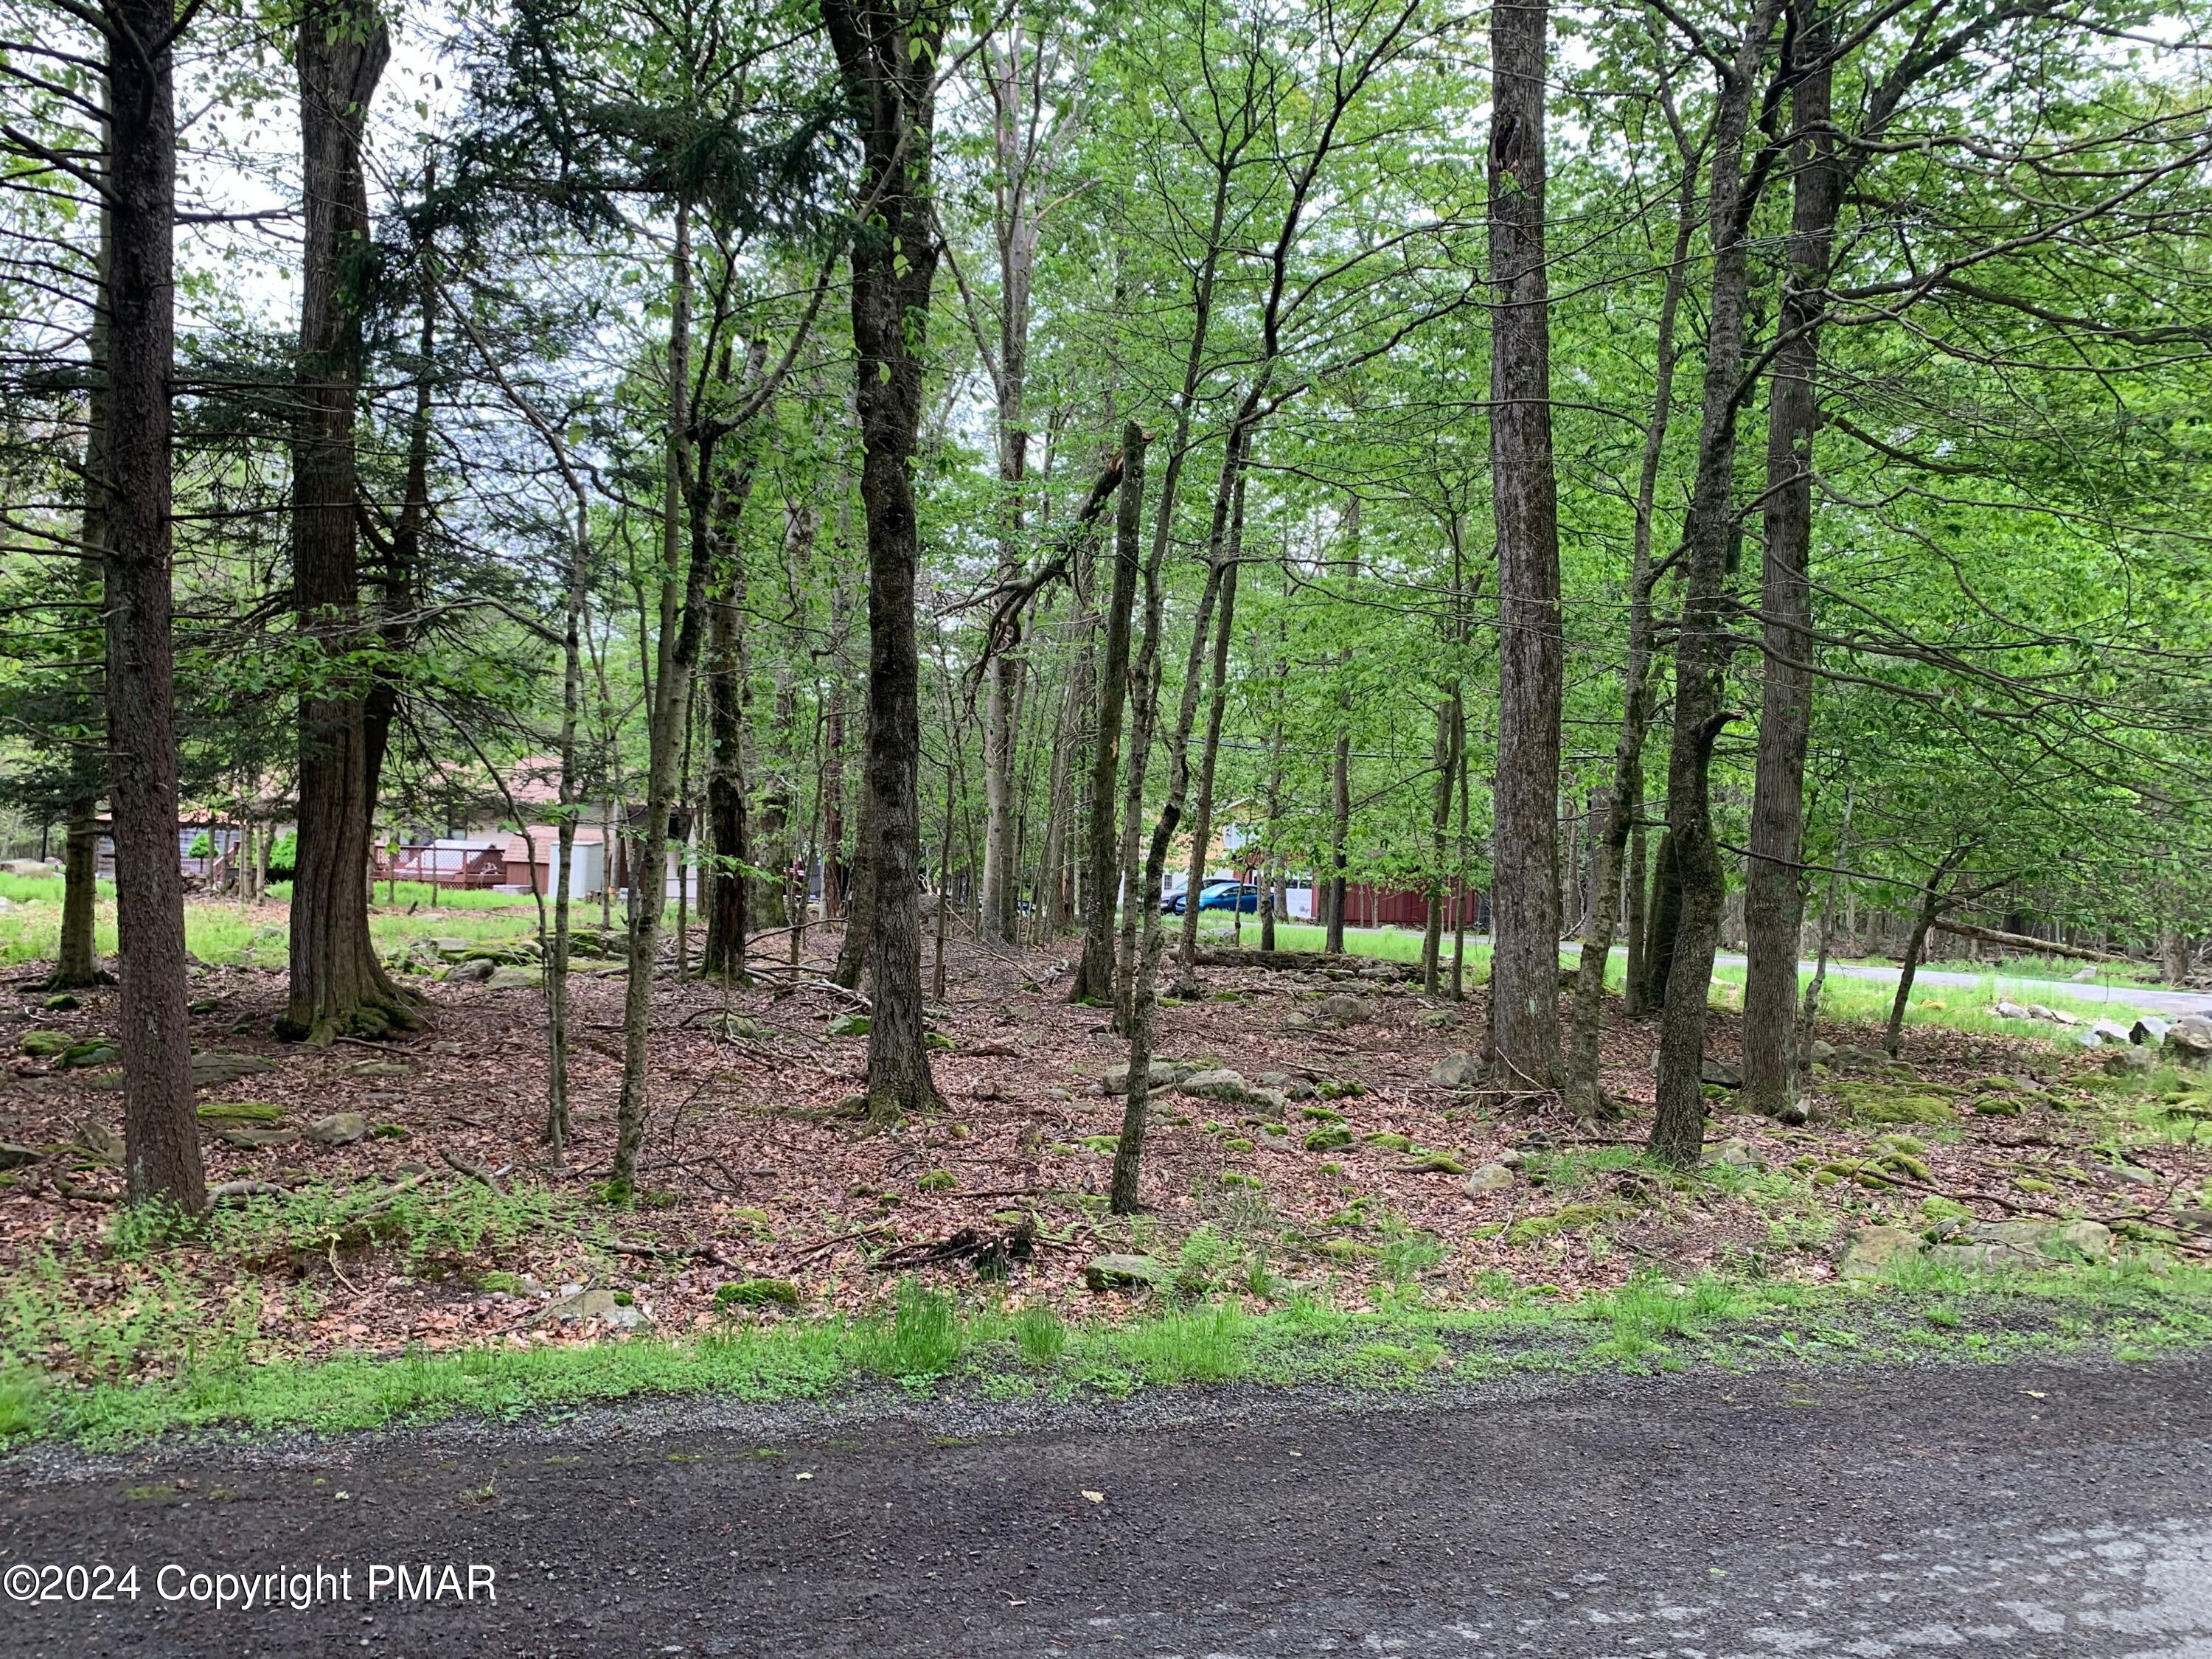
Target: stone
<point>847,1026</point>
<point>2087,977</point>
<point>338,1129</point>
<point>1343,1010</point>
<point>214,1071</point>
<point>739,1027</point>
<point>2110,1032</point>
<point>2009,1010</point>
<point>2131,1062</point>
<point>2189,1041</point>
<point>2150,1030</point>
<point>239,1111</point>
<point>376,1068</point>
<point>1123,1272</point>
<point>252,1137</point>
<point>1437,1019</point>
<point>1489,1178</point>
<point>1823,1052</point>
<point>1735,1153</point>
<point>1296,1021</point>
<point>514,977</point>
<point>1721,1073</point>
<point>454,948</point>
<point>612,1309</point>
<point>1160,1075</point>
<point>1991,1245</point>
<point>1455,1071</point>
<point>60,1003</point>
<point>2060,1016</point>
<point>1874,1252</point>
<point>469,973</point>
<point>1221,1084</point>
<point>45,1045</point>
<point>1329,1138</point>
<point>13,1156</point>
<point>96,1051</point>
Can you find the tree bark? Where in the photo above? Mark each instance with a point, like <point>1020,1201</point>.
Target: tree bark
<point>1340,833</point>
<point>1637,883</point>
<point>1665,923</point>
<point>1445,757</point>
<point>1624,806</point>
<point>888,61</point>
<point>1702,649</point>
<point>1524,963</point>
<point>1129,1152</point>
<point>1228,548</point>
<point>161,1132</point>
<point>1774,887</point>
<point>1094,970</point>
<point>337,986</point>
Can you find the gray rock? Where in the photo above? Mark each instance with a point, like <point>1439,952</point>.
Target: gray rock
<point>849,1025</point>
<point>1489,1178</point>
<point>1272,1081</point>
<point>2059,1016</point>
<point>2189,1041</point>
<point>2007,1009</point>
<point>1456,1072</point>
<point>45,1045</point>
<point>2087,977</point>
<point>338,1129</point>
<point>1296,1021</point>
<point>1437,1019</point>
<point>102,1142</point>
<point>1222,1084</point>
<point>739,1027</point>
<point>1721,1071</point>
<point>2036,1010</point>
<point>2110,1031</point>
<point>1121,1273</point>
<point>2150,1028</point>
<point>13,1156</point>
<point>1874,1252</point>
<point>1823,1052</point>
<point>515,978</point>
<point>471,972</point>
<point>596,1303</point>
<point>1343,1010</point>
<point>252,1139</point>
<point>211,1070</point>
<point>1735,1153</point>
<point>2130,1062</point>
<point>376,1068</point>
<point>1988,1246</point>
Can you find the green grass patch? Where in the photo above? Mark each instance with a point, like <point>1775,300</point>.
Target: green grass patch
<point>86,1382</point>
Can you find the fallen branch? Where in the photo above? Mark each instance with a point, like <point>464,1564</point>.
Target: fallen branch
<point>473,1171</point>
<point>2024,943</point>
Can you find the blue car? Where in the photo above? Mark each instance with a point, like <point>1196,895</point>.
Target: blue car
<point>1217,896</point>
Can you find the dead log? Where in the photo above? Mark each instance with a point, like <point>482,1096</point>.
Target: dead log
<point>1297,961</point>
<point>2024,943</point>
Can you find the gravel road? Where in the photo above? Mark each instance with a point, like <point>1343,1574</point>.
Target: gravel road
<point>2048,1512</point>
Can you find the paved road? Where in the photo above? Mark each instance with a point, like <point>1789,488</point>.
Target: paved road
<point>2047,1512</point>
<point>2140,997</point>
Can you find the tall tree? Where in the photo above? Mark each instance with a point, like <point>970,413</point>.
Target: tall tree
<point>161,1131</point>
<point>1774,886</point>
<point>338,987</point>
<point>1524,973</point>
<point>887,56</point>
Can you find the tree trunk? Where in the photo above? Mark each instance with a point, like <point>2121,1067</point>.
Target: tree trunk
<point>1665,920</point>
<point>888,62</point>
<point>1774,888</point>
<point>1225,553</point>
<point>1639,891</point>
<point>1129,1152</point>
<point>1445,757</point>
<point>1524,963</point>
<point>161,1134</point>
<point>556,960</point>
<point>726,899</point>
<point>1094,971</point>
<point>1702,649</point>
<point>1931,906</point>
<point>1340,835</point>
<point>337,986</point>
<point>1625,808</point>
<point>856,951</point>
<point>684,516</point>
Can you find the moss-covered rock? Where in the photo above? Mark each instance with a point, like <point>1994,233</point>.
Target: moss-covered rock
<point>1328,1138</point>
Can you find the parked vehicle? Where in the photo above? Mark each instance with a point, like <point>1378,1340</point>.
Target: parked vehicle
<point>1217,896</point>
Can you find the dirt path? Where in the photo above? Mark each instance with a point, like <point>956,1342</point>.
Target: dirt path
<point>2045,1512</point>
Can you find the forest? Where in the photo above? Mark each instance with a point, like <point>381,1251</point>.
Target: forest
<point>812,655</point>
